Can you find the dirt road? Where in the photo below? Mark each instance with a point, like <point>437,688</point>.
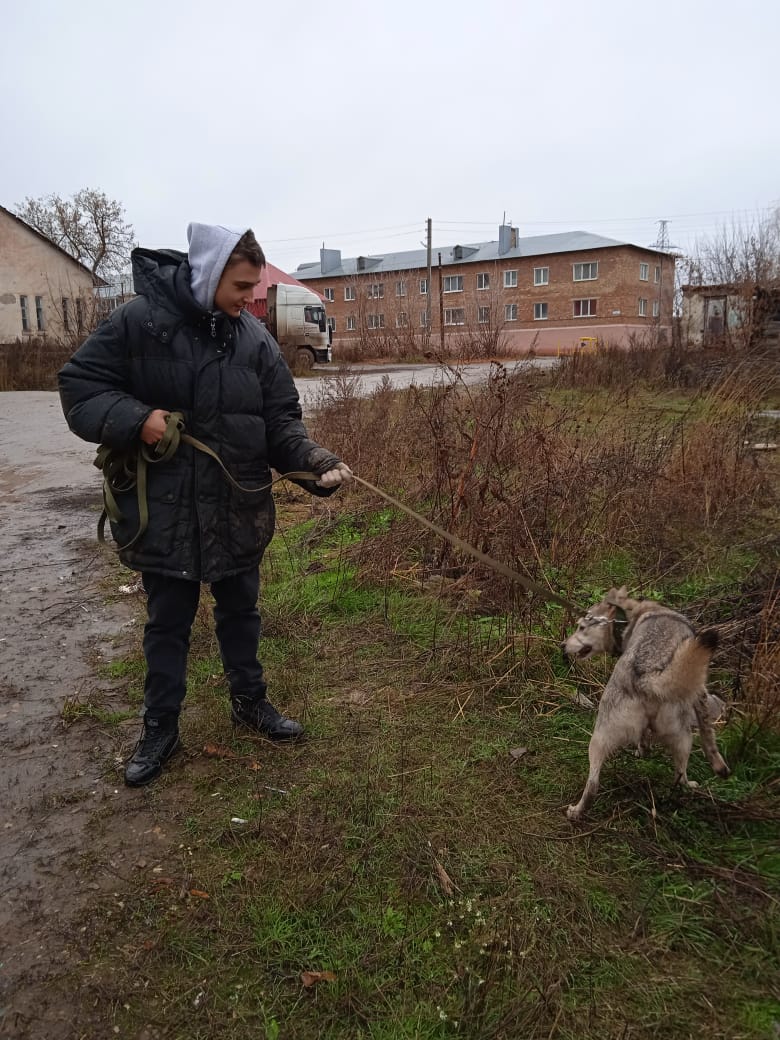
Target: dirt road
<point>55,627</point>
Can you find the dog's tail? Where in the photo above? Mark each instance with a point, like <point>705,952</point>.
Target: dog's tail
<point>686,674</point>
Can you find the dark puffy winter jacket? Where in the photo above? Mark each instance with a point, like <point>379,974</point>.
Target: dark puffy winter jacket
<point>236,393</point>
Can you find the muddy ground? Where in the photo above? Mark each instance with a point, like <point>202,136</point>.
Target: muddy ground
<point>56,626</point>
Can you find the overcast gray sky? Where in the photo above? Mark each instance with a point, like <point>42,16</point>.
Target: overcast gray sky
<point>350,122</point>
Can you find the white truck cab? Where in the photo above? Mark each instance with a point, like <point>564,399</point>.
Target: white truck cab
<point>296,318</point>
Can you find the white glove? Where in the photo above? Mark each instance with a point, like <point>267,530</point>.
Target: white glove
<point>340,474</point>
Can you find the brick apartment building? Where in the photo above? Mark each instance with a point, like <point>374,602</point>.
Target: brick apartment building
<point>548,293</point>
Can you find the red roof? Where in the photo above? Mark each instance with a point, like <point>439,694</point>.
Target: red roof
<point>273,276</point>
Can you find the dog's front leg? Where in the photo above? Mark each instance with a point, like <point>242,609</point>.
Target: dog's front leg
<point>598,751</point>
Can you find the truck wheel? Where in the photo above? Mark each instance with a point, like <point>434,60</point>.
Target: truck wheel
<point>304,360</point>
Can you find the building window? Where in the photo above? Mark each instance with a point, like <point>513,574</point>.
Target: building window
<point>375,321</point>
<point>79,314</point>
<point>400,288</point>
<point>656,309</point>
<point>351,323</point>
<point>423,287</point>
<point>586,272</point>
<point>332,324</point>
<point>65,313</point>
<point>541,276</point>
<point>585,308</point>
<point>483,315</point>
<point>483,281</point>
<point>453,283</point>
<point>644,272</point>
<point>424,320</point>
<point>510,312</point>
<point>510,279</point>
<point>329,294</point>
<point>540,312</point>
<point>375,291</point>
<point>657,275</point>
<point>401,320</point>
<point>642,308</point>
<point>454,316</point>
<point>25,314</point>
<point>349,292</point>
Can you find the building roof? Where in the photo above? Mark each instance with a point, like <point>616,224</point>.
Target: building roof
<point>53,245</point>
<point>479,252</point>
<point>273,276</point>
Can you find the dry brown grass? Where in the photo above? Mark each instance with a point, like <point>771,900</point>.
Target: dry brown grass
<point>32,365</point>
<point>546,483</point>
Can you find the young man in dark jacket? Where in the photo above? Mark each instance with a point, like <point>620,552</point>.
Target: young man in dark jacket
<point>185,344</point>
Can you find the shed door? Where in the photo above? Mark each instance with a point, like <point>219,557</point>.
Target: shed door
<point>715,316</point>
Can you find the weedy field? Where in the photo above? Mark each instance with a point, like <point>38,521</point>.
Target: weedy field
<point>408,870</point>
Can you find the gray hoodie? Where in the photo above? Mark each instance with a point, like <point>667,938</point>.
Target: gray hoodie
<point>210,245</point>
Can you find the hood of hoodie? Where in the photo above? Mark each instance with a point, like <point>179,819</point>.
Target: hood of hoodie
<point>210,246</point>
<point>163,277</point>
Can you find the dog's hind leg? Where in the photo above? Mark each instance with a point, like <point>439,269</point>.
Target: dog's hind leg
<point>709,744</point>
<point>680,744</point>
<point>643,745</point>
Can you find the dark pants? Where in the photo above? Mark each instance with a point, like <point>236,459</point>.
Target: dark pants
<point>171,606</point>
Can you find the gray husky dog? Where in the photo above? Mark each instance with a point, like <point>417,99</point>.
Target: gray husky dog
<point>657,689</point>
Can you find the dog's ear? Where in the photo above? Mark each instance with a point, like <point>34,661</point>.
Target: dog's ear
<point>617,597</point>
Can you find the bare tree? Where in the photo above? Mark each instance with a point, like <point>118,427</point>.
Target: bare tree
<point>743,259</point>
<point>89,226</point>
<point>746,252</point>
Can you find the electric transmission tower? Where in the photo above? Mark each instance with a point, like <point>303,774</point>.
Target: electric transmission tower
<point>662,242</point>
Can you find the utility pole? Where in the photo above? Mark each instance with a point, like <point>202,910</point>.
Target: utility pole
<point>429,240</point>
<point>441,310</point>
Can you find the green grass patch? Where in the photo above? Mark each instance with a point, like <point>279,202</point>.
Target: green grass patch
<point>408,870</point>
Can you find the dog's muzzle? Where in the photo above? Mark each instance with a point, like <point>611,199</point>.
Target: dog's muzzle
<point>573,650</point>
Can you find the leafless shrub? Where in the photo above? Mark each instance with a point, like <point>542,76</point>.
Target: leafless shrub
<point>610,366</point>
<point>761,692</point>
<point>547,488</point>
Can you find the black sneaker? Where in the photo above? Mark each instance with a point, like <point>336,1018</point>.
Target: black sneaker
<point>261,716</point>
<point>159,740</point>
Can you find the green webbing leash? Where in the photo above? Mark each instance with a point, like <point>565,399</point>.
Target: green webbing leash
<point>123,470</point>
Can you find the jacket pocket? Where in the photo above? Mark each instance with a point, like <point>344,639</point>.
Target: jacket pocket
<point>250,525</point>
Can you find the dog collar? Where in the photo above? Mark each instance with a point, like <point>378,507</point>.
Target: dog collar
<point>618,621</point>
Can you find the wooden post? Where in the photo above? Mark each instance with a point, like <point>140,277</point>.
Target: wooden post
<point>428,314</point>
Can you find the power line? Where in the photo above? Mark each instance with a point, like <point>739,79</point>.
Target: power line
<point>409,228</point>
<point>613,220</point>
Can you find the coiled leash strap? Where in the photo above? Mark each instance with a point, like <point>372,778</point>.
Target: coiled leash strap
<point>125,470</point>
